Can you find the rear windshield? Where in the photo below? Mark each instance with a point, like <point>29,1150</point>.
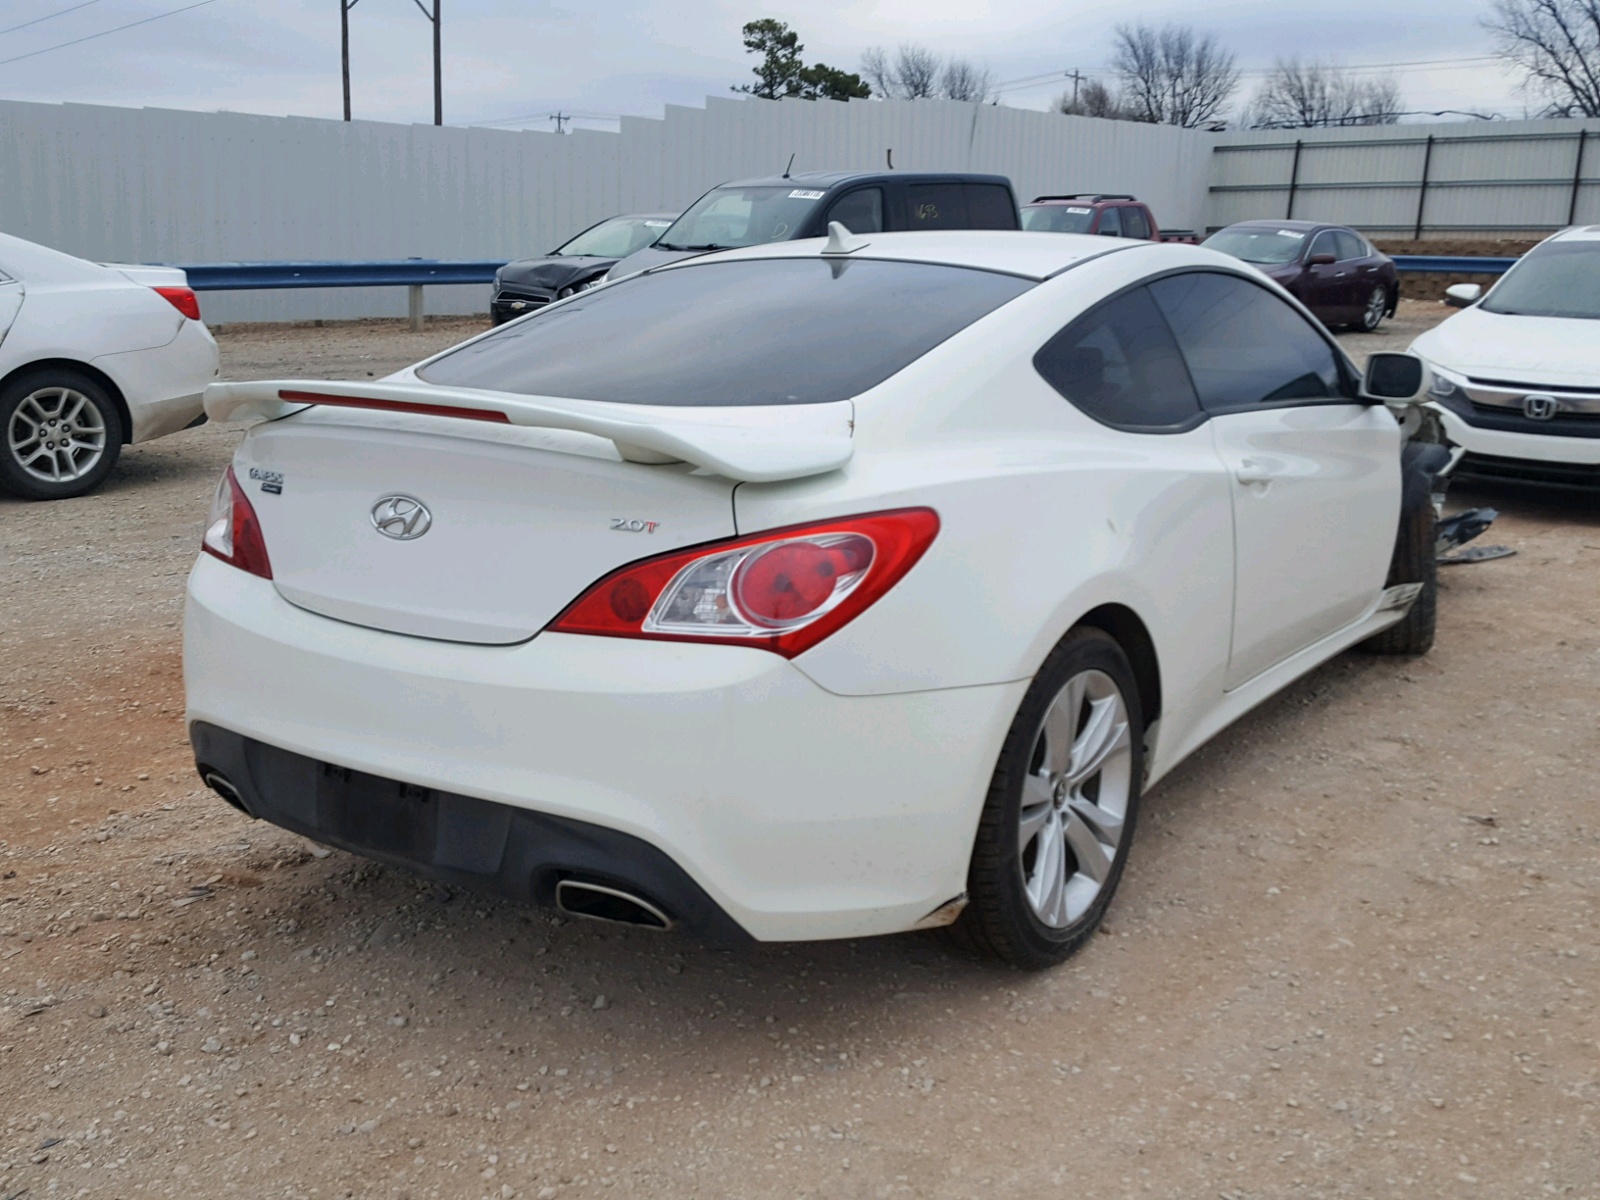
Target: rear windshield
<point>771,331</point>
<point>1058,218</point>
<point>1258,245</point>
<point>1561,279</point>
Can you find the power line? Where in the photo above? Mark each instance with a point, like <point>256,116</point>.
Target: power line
<point>1411,65</point>
<point>104,32</point>
<point>60,12</point>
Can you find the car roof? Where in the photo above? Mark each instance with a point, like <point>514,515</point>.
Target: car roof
<point>1083,198</point>
<point>1030,255</point>
<point>1577,233</point>
<point>830,179</point>
<point>1271,224</point>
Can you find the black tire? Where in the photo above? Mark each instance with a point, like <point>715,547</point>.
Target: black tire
<point>1414,561</point>
<point>49,392</point>
<point>999,920</point>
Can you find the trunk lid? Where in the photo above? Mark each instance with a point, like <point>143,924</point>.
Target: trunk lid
<point>519,520</point>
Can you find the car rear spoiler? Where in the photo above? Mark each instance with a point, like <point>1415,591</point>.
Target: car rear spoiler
<point>754,444</point>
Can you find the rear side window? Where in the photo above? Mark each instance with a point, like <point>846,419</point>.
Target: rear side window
<point>1350,246</point>
<point>936,206</point>
<point>1244,346</point>
<point>860,211</point>
<point>1120,365</point>
<point>768,331</point>
<point>1134,224</point>
<point>1110,223</point>
<point>990,206</point>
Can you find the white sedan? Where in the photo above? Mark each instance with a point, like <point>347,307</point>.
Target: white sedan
<point>1517,374</point>
<point>812,590</point>
<point>92,357</point>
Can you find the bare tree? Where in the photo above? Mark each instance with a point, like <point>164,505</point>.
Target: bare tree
<point>917,73</point>
<point>1094,99</point>
<point>1174,75</point>
<point>1556,45</point>
<point>965,80</point>
<point>1300,95</point>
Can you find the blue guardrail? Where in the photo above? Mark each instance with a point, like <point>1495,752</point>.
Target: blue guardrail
<point>420,272</point>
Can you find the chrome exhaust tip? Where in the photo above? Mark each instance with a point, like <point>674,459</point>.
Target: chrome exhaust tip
<point>219,784</point>
<point>600,903</point>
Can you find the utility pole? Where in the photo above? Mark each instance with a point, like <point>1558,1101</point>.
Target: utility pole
<point>560,119</point>
<point>438,76</point>
<point>1077,77</point>
<point>344,48</point>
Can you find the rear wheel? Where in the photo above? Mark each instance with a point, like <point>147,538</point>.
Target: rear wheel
<point>1060,812</point>
<point>63,434</point>
<point>1377,307</point>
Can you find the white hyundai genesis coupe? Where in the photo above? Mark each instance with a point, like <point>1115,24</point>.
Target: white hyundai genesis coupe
<point>812,590</point>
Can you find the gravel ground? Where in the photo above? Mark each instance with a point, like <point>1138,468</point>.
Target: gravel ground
<point>1354,955</point>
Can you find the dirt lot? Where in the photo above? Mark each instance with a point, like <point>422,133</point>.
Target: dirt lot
<point>1354,956</point>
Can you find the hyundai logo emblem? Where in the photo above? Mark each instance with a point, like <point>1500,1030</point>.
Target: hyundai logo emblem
<point>1540,408</point>
<point>403,518</point>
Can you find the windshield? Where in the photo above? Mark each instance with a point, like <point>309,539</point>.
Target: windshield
<point>1258,245</point>
<point>1058,218</point>
<point>616,238</point>
<point>1560,279</point>
<point>741,216</point>
<point>766,331</point>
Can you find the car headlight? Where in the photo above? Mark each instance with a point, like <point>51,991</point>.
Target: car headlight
<point>592,283</point>
<point>1443,388</point>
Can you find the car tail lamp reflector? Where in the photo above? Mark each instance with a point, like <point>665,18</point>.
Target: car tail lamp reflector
<point>784,590</point>
<point>181,298</point>
<point>233,533</point>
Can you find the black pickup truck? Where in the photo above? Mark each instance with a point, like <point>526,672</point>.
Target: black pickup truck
<point>785,208</point>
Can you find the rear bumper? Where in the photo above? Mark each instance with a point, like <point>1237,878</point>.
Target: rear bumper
<point>163,385</point>
<point>474,843</point>
<point>798,813</point>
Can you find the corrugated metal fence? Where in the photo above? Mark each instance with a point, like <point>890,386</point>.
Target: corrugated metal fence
<point>1485,179</point>
<point>154,185</point>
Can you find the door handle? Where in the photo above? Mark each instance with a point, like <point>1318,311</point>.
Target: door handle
<point>1250,471</point>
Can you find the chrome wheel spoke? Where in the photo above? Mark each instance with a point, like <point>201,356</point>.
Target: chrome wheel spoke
<point>1103,823</point>
<point>1094,857</point>
<point>1049,878</point>
<point>1104,733</point>
<point>1061,726</point>
<point>1038,806</point>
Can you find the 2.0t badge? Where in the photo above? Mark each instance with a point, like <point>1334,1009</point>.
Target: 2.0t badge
<point>403,518</point>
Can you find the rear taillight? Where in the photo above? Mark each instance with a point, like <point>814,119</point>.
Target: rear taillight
<point>181,298</point>
<point>784,590</point>
<point>233,533</point>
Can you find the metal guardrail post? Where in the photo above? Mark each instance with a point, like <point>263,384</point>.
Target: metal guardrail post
<point>414,306</point>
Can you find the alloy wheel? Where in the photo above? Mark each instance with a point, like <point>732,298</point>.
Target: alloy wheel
<point>1377,305</point>
<point>57,434</point>
<point>1075,799</point>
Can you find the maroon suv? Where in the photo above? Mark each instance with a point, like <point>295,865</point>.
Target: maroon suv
<point>1332,270</point>
<point>1105,214</point>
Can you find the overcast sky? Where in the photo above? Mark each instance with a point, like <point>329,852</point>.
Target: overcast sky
<point>509,59</point>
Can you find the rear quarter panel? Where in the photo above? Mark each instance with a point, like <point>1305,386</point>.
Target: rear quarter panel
<point>1045,515</point>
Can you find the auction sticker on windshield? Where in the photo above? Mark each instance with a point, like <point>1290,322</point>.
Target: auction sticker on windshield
<point>802,194</point>
<point>1082,212</point>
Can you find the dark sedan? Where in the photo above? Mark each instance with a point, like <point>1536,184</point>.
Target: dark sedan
<point>1332,270</point>
<point>531,283</point>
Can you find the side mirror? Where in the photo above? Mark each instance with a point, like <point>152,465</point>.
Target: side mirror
<point>1395,379</point>
<point>1321,260</point>
<point>1462,295</point>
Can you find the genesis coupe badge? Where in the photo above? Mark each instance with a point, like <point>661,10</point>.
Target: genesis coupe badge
<point>403,518</point>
